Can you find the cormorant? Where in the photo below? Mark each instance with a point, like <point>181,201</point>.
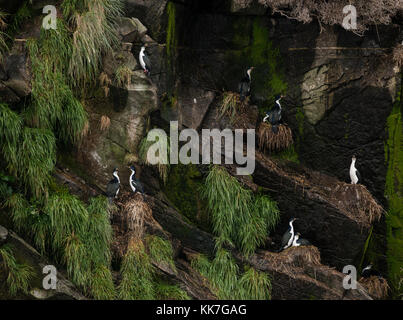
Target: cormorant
<point>145,61</point>
<point>354,174</point>
<point>288,236</point>
<point>368,271</point>
<point>134,183</point>
<point>274,115</point>
<point>300,241</point>
<point>244,85</point>
<point>113,186</point>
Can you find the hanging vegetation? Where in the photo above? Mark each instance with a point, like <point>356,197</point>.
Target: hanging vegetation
<point>238,217</point>
<point>227,281</point>
<point>136,270</point>
<point>18,275</point>
<point>94,24</point>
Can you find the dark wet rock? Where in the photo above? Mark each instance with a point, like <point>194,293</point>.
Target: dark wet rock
<point>17,74</point>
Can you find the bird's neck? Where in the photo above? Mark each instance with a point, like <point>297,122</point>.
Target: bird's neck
<point>352,164</point>
<point>278,103</point>
<point>132,175</point>
<point>115,174</point>
<point>292,227</point>
<point>249,74</point>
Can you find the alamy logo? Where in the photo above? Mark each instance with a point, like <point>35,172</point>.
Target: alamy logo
<point>49,22</point>
<point>350,280</point>
<point>49,281</point>
<point>190,151</point>
<point>350,21</point>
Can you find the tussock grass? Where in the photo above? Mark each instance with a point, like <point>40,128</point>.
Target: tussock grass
<point>67,217</point>
<point>105,123</point>
<point>94,34</point>
<point>229,105</point>
<point>105,82</point>
<point>123,75</point>
<point>137,274</point>
<point>102,286</point>
<point>165,291</point>
<point>227,281</point>
<point>238,217</point>
<point>10,131</point>
<point>19,275</point>
<point>99,231</point>
<point>3,35</point>
<point>160,250</point>
<point>255,285</point>
<point>163,169</point>
<point>36,160</point>
<point>270,141</point>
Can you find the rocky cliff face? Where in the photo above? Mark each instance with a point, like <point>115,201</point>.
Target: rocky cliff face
<point>340,90</point>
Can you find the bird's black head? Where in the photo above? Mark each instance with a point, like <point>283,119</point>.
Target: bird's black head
<point>115,170</point>
<point>132,168</point>
<point>298,234</point>
<point>354,157</point>
<point>278,97</point>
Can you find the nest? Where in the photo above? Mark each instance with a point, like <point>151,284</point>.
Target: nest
<point>270,141</point>
<point>356,198</point>
<point>293,258</point>
<point>377,287</point>
<point>353,200</point>
<point>129,220</point>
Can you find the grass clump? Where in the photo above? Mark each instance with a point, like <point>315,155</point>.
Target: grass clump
<point>123,75</point>
<point>227,281</point>
<point>238,217</point>
<point>137,274</point>
<point>165,291</point>
<point>229,105</point>
<point>94,34</point>
<point>18,275</point>
<point>160,250</point>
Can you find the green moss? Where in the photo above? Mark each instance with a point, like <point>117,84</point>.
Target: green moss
<point>394,195</point>
<point>258,50</point>
<point>184,184</point>
<point>289,154</point>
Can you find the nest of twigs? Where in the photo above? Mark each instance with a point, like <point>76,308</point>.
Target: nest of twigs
<point>356,198</point>
<point>130,217</point>
<point>270,141</point>
<point>377,287</point>
<point>291,259</point>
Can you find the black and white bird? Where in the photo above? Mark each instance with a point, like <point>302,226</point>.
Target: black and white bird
<point>274,115</point>
<point>354,174</point>
<point>369,271</point>
<point>134,183</point>
<point>113,186</point>
<point>288,236</point>
<point>145,61</point>
<point>244,85</point>
<point>300,241</point>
